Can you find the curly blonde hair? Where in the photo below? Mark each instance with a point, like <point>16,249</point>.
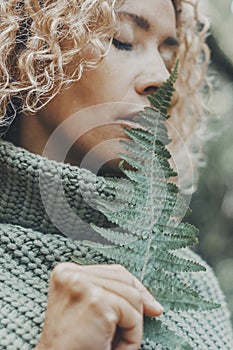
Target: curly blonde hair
<point>33,63</point>
<point>189,115</point>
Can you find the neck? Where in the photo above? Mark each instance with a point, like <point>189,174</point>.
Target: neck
<point>33,135</point>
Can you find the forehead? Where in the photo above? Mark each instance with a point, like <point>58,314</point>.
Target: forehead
<point>159,13</point>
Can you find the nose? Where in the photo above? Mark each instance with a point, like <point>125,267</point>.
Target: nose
<point>153,73</point>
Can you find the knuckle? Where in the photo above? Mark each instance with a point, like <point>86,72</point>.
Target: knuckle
<point>110,320</point>
<point>61,269</point>
<point>96,298</point>
<point>139,299</point>
<point>121,268</point>
<point>58,271</point>
<point>66,275</point>
<point>133,282</point>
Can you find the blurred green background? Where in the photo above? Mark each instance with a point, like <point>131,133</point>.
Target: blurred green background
<point>212,204</point>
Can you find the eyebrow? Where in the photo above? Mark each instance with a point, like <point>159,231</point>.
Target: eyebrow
<point>140,21</point>
<point>144,24</point>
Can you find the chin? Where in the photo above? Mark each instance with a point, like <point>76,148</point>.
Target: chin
<point>102,159</point>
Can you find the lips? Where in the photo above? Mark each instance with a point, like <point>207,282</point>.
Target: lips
<point>128,121</point>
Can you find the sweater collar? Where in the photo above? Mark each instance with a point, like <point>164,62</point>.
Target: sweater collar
<point>46,195</point>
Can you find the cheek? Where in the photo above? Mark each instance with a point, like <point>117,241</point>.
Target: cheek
<point>99,143</point>
<point>116,77</point>
<point>118,63</point>
<point>101,85</point>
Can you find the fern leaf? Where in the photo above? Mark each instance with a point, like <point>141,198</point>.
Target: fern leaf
<point>145,140</point>
<point>147,208</point>
<point>164,336</point>
<point>115,237</point>
<point>176,228</point>
<point>149,118</point>
<point>182,300</point>
<point>178,242</point>
<point>168,261</point>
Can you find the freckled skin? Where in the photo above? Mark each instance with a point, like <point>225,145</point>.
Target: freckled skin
<point>125,76</point>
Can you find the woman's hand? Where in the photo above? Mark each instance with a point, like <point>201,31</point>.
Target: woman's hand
<point>95,307</point>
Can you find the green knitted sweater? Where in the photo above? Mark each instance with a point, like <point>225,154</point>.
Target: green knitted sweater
<point>31,245</point>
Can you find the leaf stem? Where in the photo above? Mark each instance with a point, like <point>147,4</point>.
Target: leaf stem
<point>152,209</point>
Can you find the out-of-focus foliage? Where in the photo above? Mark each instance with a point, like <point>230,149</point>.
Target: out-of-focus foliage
<point>213,203</point>
<point>221,15</point>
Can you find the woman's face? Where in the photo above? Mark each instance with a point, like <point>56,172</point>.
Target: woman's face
<point>139,61</point>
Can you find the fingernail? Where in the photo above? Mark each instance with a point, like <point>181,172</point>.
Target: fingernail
<point>159,308</point>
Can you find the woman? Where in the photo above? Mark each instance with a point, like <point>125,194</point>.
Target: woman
<point>59,58</point>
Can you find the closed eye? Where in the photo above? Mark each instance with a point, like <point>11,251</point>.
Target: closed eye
<point>120,45</point>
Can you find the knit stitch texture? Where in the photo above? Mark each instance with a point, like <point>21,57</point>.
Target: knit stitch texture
<point>31,245</point>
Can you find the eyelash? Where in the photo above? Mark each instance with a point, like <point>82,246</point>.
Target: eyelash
<point>122,45</point>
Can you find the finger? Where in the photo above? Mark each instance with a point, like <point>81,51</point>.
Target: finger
<point>131,294</point>
<point>124,346</point>
<point>130,324</point>
<point>119,273</point>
